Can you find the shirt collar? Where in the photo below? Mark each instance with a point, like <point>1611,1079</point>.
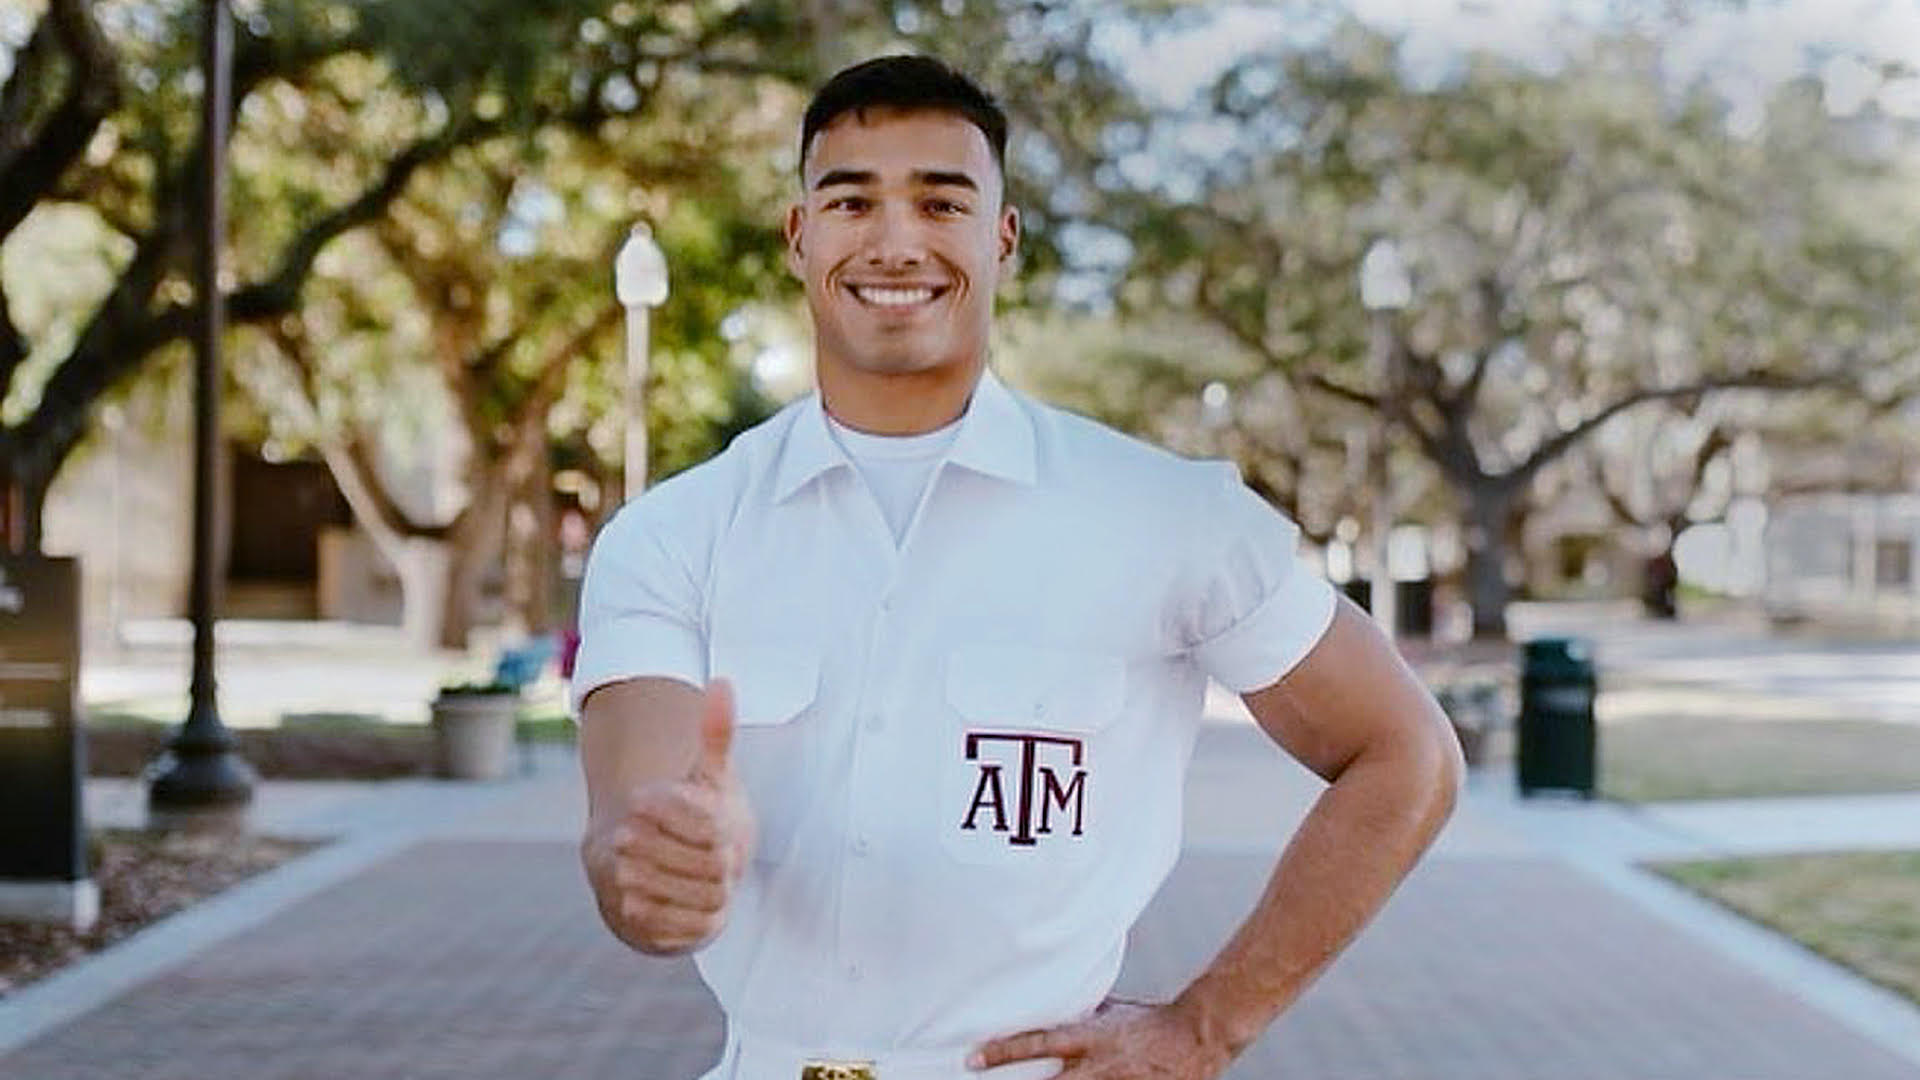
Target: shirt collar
<point>995,439</point>
<point>996,435</point>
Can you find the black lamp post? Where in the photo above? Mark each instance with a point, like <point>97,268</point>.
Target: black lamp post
<point>206,775</point>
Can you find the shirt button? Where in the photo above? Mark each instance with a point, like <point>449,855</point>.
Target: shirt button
<point>876,722</point>
<point>886,602</point>
<point>861,847</point>
<point>853,972</point>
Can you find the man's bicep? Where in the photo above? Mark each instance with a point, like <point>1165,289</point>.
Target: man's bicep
<point>1350,692</point>
<point>634,731</point>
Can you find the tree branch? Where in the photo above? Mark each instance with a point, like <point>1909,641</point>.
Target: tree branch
<point>1327,386</point>
<point>281,292</point>
<point>358,451</point>
<point>1717,440</point>
<point>93,88</point>
<point>23,89</point>
<point>468,376</point>
<point>1492,300</point>
<point>1425,384</point>
<point>1559,444</point>
<point>109,346</point>
<point>1245,336</point>
<point>124,330</point>
<point>1622,509</point>
<point>13,346</point>
<point>347,458</point>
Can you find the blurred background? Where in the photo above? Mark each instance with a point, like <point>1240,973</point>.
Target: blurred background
<point>1647,329</point>
<point>1592,325</point>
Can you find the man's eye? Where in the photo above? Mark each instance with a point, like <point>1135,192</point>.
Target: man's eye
<point>852,203</point>
<point>946,207</point>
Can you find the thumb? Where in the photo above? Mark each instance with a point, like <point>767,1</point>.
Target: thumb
<point>716,730</point>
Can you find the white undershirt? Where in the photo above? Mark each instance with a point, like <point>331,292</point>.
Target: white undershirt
<point>895,467</point>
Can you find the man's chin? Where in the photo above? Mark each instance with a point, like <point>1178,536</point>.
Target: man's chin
<point>901,363</point>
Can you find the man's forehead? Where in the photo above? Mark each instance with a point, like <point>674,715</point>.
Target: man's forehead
<point>883,139</point>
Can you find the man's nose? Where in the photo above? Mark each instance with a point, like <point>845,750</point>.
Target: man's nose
<point>897,241</point>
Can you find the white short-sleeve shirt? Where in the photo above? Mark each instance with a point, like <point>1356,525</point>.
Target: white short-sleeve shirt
<point>965,750</point>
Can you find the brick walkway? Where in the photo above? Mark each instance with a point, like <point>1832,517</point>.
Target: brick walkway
<point>481,959</point>
<point>1526,948</point>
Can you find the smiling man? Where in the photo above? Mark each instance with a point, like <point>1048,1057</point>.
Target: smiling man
<point>886,710</point>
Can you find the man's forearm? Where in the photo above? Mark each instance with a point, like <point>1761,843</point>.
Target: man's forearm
<point>1362,836</point>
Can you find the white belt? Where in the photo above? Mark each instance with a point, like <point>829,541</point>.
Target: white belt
<point>750,1056</point>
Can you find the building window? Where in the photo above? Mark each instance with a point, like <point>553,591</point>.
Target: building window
<point>1893,564</point>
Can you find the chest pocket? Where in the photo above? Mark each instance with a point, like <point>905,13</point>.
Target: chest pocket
<point>775,687</point>
<point>1021,769</point>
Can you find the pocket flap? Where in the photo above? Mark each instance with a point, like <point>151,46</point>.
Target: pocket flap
<point>772,684</point>
<point>1057,689</point>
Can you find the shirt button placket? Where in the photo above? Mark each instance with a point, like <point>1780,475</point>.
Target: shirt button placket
<point>858,874</point>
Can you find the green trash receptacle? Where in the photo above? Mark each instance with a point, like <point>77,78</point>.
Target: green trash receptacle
<point>1555,735</point>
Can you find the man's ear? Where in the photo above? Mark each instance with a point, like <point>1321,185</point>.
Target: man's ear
<point>791,230</point>
<point>1009,238</point>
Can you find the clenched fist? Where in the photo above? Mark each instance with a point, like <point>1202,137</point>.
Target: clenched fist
<point>666,869</point>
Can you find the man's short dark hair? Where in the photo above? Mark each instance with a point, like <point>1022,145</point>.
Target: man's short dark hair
<point>912,83</point>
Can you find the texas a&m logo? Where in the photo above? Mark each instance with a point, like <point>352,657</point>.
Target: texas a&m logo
<point>1028,785</point>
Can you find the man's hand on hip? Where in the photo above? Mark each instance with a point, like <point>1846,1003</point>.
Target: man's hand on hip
<point>682,845</point>
<point>1122,1040</point>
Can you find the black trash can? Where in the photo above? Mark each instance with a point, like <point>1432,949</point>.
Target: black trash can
<point>1555,736</point>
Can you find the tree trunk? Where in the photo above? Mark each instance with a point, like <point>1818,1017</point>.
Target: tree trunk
<point>473,548</point>
<point>1489,511</point>
<point>25,489</point>
<point>419,561</point>
<point>532,556</point>
<point>421,565</point>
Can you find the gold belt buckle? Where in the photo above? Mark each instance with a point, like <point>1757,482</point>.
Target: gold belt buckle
<point>838,1070</point>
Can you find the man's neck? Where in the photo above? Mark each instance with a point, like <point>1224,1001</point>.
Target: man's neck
<point>908,404</point>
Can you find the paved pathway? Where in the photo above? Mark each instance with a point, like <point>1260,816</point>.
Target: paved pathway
<point>449,934</point>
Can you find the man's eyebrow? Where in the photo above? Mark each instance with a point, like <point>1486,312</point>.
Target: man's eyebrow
<point>938,178</point>
<point>835,177</point>
<point>922,177</point>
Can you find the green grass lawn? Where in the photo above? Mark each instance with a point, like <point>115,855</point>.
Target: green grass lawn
<point>1861,909</point>
<point>1685,757</point>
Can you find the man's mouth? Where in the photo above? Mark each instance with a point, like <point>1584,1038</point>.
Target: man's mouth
<point>896,297</point>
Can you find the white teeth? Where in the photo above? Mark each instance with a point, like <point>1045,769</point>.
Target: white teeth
<point>883,297</point>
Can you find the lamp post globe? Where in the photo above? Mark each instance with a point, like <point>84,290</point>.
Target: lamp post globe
<point>640,271</point>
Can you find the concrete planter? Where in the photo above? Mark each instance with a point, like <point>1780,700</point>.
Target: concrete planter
<point>473,735</point>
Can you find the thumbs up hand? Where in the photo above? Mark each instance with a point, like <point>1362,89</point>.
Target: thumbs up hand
<point>713,770</point>
<point>684,844</point>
